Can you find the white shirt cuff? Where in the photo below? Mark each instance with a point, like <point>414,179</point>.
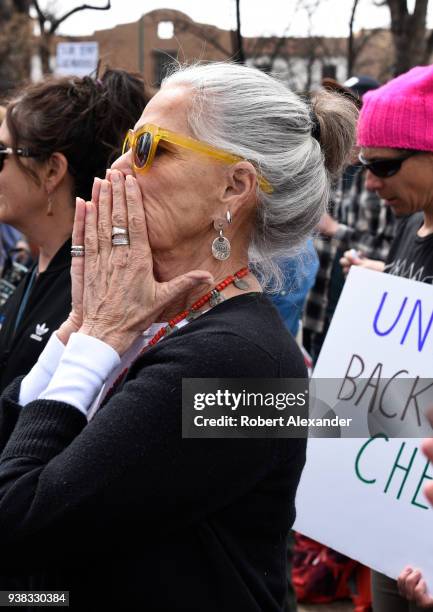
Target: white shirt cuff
<point>84,366</point>
<point>40,375</point>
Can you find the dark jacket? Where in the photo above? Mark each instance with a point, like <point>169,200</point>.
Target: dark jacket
<point>125,513</point>
<point>48,306</point>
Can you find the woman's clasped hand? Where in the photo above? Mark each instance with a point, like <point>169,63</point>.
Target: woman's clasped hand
<point>107,301</point>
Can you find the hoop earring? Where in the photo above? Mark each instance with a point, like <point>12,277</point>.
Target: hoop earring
<point>221,247</point>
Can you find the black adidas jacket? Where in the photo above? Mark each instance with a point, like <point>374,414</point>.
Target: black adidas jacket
<point>48,306</point>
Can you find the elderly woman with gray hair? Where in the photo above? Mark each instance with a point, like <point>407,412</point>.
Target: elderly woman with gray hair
<point>99,493</point>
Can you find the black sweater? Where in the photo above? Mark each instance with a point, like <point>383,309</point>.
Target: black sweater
<point>125,513</point>
<point>48,306</point>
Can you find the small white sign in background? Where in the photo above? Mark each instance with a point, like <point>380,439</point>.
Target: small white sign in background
<point>76,58</point>
<point>363,496</point>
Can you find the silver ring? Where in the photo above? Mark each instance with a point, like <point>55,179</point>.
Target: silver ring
<point>119,231</point>
<point>77,250</point>
<point>120,240</point>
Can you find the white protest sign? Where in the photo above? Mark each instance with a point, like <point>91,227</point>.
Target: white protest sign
<point>76,58</point>
<point>363,496</point>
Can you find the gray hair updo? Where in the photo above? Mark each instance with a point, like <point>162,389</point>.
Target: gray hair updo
<point>249,113</point>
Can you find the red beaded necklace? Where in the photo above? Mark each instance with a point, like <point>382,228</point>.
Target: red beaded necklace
<point>192,312</point>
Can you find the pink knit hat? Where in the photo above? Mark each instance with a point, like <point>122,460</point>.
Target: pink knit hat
<point>399,114</point>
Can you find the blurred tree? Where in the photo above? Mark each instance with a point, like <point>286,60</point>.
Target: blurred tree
<point>413,44</point>
<point>210,35</point>
<point>356,43</point>
<point>310,7</point>
<point>49,23</point>
<point>266,62</point>
<point>238,47</point>
<point>15,44</point>
<point>205,33</point>
<point>299,60</point>
<point>350,41</point>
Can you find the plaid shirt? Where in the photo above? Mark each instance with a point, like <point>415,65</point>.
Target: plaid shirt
<point>366,224</point>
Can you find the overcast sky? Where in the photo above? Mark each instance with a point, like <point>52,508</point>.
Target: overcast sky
<point>259,17</point>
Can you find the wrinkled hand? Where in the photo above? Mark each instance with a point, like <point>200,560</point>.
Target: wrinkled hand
<point>121,296</point>
<point>412,586</point>
<point>354,258</point>
<point>75,317</point>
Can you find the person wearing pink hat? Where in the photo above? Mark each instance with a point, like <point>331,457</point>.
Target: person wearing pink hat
<point>395,133</point>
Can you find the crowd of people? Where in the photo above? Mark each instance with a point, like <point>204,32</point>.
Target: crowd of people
<point>139,237</point>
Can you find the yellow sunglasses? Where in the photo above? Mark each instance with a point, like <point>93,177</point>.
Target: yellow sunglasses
<point>145,140</point>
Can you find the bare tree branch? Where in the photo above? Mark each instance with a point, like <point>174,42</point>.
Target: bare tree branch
<point>40,14</point>
<point>280,42</point>
<point>47,33</point>
<point>44,17</point>
<point>238,50</point>
<point>350,46</point>
<point>192,27</point>
<point>310,8</point>
<point>352,14</point>
<point>366,39</point>
<point>55,24</point>
<point>399,14</point>
<point>411,42</point>
<point>420,10</point>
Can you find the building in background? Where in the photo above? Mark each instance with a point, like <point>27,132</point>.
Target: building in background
<point>164,36</point>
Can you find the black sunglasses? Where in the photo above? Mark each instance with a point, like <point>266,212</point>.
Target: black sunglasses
<point>21,151</point>
<point>384,168</point>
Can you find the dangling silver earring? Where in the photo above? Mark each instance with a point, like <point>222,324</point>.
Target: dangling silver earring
<point>50,207</point>
<point>221,246</point>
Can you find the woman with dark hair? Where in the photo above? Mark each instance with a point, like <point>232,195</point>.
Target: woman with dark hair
<point>57,136</point>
